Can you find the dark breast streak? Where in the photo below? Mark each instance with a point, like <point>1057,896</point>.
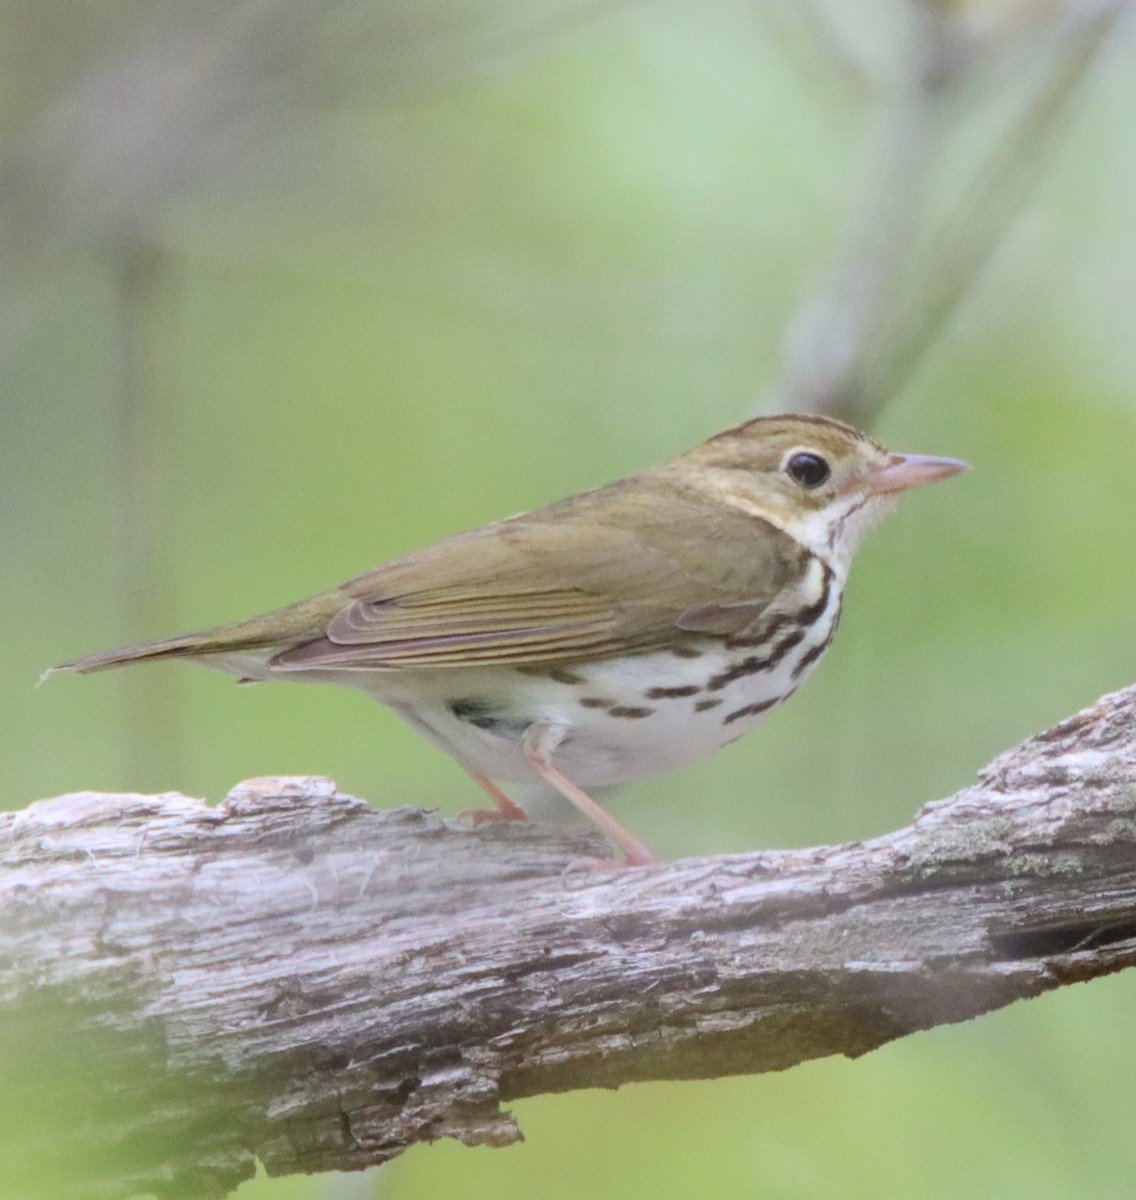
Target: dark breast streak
<point>771,638</point>
<point>778,635</point>
<point>793,629</point>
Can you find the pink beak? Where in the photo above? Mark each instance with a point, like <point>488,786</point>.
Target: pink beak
<point>905,471</point>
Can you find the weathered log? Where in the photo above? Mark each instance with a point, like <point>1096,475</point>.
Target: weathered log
<point>297,977</point>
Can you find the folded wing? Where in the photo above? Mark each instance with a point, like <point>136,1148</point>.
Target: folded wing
<point>529,590</point>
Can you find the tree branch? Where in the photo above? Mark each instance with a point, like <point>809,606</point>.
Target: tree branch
<point>923,238</point>
<point>298,977</point>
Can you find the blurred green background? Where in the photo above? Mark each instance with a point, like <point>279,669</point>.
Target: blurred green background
<point>398,271</point>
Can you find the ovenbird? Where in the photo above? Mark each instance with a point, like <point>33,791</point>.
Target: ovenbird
<point>619,633</point>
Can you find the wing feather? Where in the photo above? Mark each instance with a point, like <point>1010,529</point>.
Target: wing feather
<point>593,582</point>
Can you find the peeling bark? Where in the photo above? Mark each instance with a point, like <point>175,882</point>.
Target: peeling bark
<point>297,977</point>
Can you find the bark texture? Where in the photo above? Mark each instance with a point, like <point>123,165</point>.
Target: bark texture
<point>297,977</point>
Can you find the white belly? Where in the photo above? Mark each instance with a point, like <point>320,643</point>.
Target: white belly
<point>619,725</point>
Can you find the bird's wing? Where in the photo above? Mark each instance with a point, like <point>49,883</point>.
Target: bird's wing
<point>562,583</point>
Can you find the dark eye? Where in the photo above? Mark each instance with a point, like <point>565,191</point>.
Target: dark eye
<point>809,470</point>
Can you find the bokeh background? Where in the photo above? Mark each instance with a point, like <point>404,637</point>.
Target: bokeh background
<point>290,288</point>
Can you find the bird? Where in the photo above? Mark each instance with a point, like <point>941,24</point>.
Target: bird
<point>617,634</point>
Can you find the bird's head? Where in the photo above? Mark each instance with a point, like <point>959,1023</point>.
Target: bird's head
<point>821,481</point>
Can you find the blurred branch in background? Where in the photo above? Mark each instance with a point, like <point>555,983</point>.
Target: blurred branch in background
<point>141,440</point>
<point>160,1039</point>
<point>199,96</point>
<point>992,83</point>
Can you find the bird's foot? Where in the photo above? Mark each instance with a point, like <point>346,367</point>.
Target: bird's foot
<point>482,816</point>
<point>505,810</point>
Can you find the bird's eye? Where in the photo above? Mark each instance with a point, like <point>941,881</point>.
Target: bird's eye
<point>809,470</point>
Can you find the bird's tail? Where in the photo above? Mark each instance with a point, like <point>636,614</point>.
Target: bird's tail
<point>185,645</point>
<point>199,646</point>
<point>268,632</point>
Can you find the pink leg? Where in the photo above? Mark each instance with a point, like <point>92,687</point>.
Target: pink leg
<point>505,810</point>
<point>538,744</point>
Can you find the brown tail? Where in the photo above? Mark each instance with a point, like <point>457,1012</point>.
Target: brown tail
<point>287,626</point>
<point>175,647</point>
<point>188,645</point>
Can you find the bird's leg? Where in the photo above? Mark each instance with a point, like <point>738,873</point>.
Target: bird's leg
<point>505,810</point>
<point>538,744</point>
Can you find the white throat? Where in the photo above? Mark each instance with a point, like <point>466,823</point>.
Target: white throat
<point>834,533</point>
